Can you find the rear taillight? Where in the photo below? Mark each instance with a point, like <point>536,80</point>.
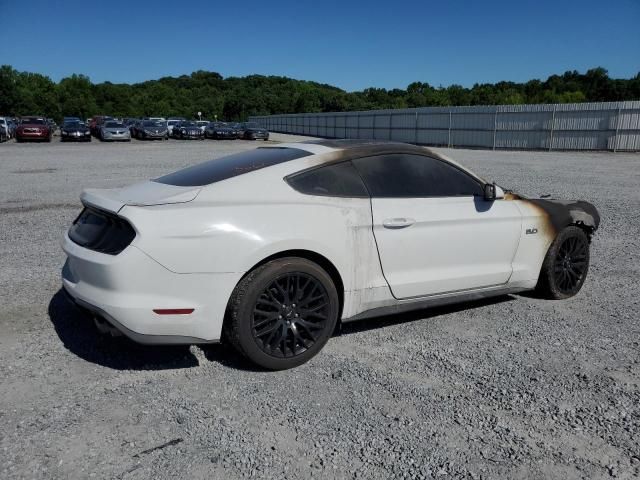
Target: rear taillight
<point>101,231</point>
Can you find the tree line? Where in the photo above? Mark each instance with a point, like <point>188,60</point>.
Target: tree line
<point>234,98</point>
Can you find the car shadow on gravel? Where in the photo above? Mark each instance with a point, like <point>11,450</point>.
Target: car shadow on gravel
<point>416,315</point>
<point>79,335</point>
<point>227,356</point>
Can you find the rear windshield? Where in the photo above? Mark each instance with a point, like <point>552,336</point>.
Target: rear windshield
<point>231,166</point>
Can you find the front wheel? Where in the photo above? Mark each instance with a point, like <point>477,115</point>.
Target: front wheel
<point>282,313</point>
<point>565,266</point>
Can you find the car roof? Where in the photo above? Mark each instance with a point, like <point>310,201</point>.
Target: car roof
<point>348,149</point>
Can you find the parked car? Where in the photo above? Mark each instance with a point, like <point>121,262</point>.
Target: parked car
<point>4,130</point>
<point>202,124</point>
<point>96,124</point>
<point>238,127</point>
<point>211,251</point>
<point>172,121</point>
<point>130,123</point>
<point>187,130</point>
<point>220,131</point>
<point>53,125</point>
<point>74,131</point>
<point>253,131</point>
<point>11,123</point>
<point>151,130</point>
<point>33,128</point>
<point>111,131</point>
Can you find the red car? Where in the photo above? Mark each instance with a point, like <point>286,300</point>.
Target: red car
<point>33,128</point>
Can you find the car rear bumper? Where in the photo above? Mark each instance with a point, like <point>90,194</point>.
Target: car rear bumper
<point>125,289</point>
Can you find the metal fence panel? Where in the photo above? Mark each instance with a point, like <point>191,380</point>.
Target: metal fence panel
<point>577,126</point>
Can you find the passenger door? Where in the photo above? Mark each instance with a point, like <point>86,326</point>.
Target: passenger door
<point>434,230</point>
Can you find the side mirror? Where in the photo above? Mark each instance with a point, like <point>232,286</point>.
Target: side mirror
<point>493,192</point>
<point>489,191</point>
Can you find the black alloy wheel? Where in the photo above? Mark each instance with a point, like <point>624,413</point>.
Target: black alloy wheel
<point>571,263</point>
<point>566,264</point>
<point>282,313</point>
<point>290,314</point>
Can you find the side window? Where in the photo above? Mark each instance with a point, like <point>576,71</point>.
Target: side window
<point>338,180</point>
<point>402,175</point>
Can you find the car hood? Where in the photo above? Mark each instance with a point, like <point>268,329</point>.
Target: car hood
<point>146,193</point>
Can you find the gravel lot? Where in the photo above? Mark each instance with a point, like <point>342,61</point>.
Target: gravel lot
<point>509,388</point>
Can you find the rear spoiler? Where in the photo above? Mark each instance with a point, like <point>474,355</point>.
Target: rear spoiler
<point>141,194</point>
<point>102,199</point>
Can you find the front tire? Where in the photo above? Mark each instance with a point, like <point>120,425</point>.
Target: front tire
<point>566,264</point>
<point>282,313</point>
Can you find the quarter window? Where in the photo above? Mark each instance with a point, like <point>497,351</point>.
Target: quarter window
<point>402,175</point>
<point>337,180</point>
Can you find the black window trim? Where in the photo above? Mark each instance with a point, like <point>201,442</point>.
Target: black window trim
<point>292,176</point>
<point>472,177</point>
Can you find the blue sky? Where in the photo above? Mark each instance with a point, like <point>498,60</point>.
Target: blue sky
<point>349,44</point>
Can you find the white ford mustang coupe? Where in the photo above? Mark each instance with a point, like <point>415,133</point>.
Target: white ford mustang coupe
<point>269,249</point>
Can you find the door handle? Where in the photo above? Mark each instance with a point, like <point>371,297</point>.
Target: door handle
<point>396,223</point>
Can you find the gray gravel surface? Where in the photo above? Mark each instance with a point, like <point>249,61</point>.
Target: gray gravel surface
<point>515,387</point>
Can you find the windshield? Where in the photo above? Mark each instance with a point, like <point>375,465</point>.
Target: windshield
<point>173,122</point>
<point>32,121</point>
<point>114,125</point>
<point>153,123</point>
<point>251,125</point>
<point>188,124</point>
<point>73,124</point>
<point>231,166</point>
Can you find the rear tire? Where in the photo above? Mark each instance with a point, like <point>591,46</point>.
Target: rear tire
<point>282,313</point>
<point>565,266</point>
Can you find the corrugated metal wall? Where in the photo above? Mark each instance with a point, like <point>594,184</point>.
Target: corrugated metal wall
<point>573,126</point>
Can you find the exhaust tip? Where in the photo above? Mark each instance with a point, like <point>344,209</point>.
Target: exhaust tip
<point>105,328</point>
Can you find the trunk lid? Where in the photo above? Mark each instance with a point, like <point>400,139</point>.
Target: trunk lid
<point>140,194</point>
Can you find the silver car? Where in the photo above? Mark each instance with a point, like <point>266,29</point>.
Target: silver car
<point>114,131</point>
<point>172,122</point>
